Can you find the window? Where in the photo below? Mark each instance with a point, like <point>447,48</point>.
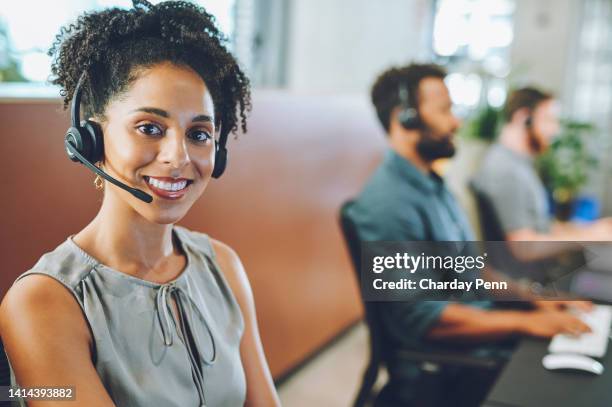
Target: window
<point>25,37</point>
<point>592,91</point>
<point>593,78</point>
<point>473,38</point>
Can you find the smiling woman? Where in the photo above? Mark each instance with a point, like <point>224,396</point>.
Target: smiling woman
<point>101,312</point>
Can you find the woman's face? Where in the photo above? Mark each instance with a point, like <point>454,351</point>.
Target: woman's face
<point>159,137</point>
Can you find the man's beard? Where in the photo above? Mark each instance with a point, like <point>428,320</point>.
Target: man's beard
<point>430,148</point>
<point>537,145</point>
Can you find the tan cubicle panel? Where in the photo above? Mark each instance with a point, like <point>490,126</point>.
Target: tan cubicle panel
<point>276,206</point>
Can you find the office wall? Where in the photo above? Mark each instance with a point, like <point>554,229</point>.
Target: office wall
<point>342,45</point>
<point>276,206</point>
<point>544,32</point>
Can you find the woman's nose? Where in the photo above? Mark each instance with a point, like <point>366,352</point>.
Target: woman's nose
<point>174,151</point>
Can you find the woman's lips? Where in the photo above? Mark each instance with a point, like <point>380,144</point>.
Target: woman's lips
<point>168,188</point>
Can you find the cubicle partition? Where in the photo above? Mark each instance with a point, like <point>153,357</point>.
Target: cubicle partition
<point>276,206</point>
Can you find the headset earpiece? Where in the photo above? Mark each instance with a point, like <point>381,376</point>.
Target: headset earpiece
<point>94,131</point>
<point>220,153</point>
<point>408,116</point>
<point>75,137</point>
<point>86,135</point>
<point>88,141</point>
<point>220,161</point>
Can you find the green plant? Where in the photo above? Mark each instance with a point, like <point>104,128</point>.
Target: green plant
<point>483,125</point>
<point>565,165</point>
<point>9,68</point>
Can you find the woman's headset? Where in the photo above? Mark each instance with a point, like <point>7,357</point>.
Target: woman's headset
<point>84,143</point>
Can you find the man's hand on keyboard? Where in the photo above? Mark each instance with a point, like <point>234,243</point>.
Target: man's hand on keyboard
<point>546,323</point>
<point>579,305</point>
<point>593,344</point>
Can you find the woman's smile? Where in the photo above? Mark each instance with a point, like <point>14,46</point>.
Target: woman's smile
<point>168,187</point>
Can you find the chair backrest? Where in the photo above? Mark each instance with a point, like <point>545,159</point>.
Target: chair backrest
<point>5,371</point>
<point>489,221</point>
<point>353,242</point>
<point>501,256</point>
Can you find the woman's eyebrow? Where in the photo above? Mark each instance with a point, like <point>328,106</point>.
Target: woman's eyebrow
<point>202,118</point>
<point>153,110</point>
<point>163,113</point>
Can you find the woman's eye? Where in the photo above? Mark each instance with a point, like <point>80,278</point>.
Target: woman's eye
<point>150,129</point>
<point>200,135</point>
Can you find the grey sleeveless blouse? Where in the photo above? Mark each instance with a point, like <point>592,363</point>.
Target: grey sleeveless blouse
<point>143,354</point>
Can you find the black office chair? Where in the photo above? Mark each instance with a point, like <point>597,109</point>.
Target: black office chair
<point>370,310</point>
<point>5,373</point>
<point>430,361</point>
<point>500,255</point>
<point>490,226</point>
<point>545,272</point>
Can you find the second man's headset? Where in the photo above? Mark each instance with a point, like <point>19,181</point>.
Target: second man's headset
<point>409,116</point>
<point>84,143</point>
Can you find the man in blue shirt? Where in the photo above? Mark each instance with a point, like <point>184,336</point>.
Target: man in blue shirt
<point>405,200</point>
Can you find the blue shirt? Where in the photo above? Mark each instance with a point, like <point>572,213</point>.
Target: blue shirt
<point>402,203</point>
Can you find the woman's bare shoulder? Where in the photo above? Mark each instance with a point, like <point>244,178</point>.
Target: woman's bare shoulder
<point>233,271</point>
<point>37,306</point>
<point>47,339</point>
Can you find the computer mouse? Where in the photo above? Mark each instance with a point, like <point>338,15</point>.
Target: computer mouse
<point>567,361</point>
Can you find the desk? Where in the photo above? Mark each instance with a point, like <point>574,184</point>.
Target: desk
<point>525,383</point>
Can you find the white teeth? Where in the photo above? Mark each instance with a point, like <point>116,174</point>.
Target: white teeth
<point>167,186</point>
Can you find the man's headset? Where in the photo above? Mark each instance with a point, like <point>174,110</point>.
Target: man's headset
<point>84,143</point>
<point>409,116</point>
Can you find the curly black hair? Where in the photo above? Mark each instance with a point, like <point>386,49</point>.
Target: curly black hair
<point>385,92</point>
<point>112,45</point>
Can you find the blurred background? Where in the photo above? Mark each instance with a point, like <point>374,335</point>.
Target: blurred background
<point>314,139</point>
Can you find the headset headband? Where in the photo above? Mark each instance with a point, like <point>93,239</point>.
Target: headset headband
<point>75,111</point>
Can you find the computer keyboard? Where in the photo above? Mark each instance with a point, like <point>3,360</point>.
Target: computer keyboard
<point>593,343</point>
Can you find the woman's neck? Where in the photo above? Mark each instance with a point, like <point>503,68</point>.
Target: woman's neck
<point>122,239</point>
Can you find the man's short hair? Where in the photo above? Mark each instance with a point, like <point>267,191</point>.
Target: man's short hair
<point>385,91</point>
<point>528,97</point>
